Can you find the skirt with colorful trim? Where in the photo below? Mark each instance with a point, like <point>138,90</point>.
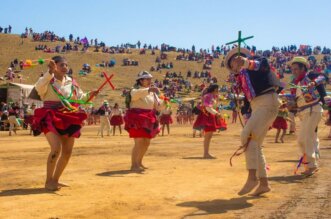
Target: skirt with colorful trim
<point>116,120</point>
<point>207,122</point>
<point>222,124</point>
<point>280,123</point>
<point>141,123</point>
<point>165,119</point>
<point>61,123</point>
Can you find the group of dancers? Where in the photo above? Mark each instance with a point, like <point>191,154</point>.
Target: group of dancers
<point>60,119</point>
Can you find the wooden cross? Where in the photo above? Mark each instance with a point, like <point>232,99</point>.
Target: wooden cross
<point>103,84</point>
<point>239,41</point>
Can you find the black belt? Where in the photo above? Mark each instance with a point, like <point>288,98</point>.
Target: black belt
<point>267,92</point>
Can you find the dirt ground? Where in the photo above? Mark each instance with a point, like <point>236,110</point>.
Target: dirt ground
<point>178,183</point>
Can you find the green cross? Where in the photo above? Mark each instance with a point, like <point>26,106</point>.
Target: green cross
<point>239,41</point>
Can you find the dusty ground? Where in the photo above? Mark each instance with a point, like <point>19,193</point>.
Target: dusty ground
<point>178,184</point>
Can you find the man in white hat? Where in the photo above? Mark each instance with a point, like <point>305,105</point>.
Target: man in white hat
<point>258,83</point>
<point>104,112</point>
<point>309,96</point>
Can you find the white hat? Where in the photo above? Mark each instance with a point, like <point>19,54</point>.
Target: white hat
<point>144,74</point>
<point>243,52</point>
<point>10,69</point>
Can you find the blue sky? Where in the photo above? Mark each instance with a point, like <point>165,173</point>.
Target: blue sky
<point>180,23</point>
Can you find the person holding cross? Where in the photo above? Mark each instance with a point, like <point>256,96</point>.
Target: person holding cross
<point>59,119</point>
<point>258,83</point>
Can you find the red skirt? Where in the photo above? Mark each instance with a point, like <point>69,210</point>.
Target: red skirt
<point>116,120</point>
<point>52,120</point>
<point>207,122</point>
<point>28,120</point>
<point>165,119</point>
<point>222,124</point>
<point>141,123</point>
<point>280,123</point>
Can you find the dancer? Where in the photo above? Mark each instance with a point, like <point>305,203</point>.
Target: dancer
<point>116,118</point>
<point>309,92</point>
<point>280,122</point>
<point>58,119</point>
<point>104,112</point>
<point>165,117</point>
<point>140,118</point>
<point>209,117</point>
<point>257,82</point>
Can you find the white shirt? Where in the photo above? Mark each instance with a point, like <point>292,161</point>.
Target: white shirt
<point>46,93</point>
<point>116,112</point>
<point>142,99</point>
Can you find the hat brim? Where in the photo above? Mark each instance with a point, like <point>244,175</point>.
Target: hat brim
<point>145,77</point>
<point>297,61</point>
<point>243,52</point>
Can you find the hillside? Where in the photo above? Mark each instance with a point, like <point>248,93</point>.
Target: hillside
<point>12,47</point>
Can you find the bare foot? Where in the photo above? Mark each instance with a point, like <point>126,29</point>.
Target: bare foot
<point>248,187</point>
<point>276,141</point>
<point>62,184</point>
<point>142,166</point>
<point>310,171</point>
<point>137,169</point>
<point>208,156</point>
<point>261,190</point>
<point>282,140</point>
<point>52,186</point>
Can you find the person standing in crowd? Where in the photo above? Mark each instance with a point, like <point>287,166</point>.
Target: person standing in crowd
<point>116,118</point>
<point>140,119</point>
<point>104,112</point>
<point>280,122</point>
<point>13,115</point>
<point>28,120</point>
<point>165,116</point>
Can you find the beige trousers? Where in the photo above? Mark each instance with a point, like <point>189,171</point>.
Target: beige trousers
<point>13,123</point>
<point>264,112</point>
<point>307,138</point>
<point>292,123</point>
<point>104,123</point>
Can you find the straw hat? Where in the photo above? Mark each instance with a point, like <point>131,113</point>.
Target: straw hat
<point>243,52</point>
<point>300,59</point>
<point>143,75</point>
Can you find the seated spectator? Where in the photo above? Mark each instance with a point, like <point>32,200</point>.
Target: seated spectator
<point>10,75</point>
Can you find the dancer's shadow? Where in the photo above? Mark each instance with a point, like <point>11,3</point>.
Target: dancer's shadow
<point>288,161</point>
<point>217,206</point>
<point>118,173</point>
<point>287,179</point>
<point>326,148</point>
<point>197,158</point>
<point>30,191</point>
